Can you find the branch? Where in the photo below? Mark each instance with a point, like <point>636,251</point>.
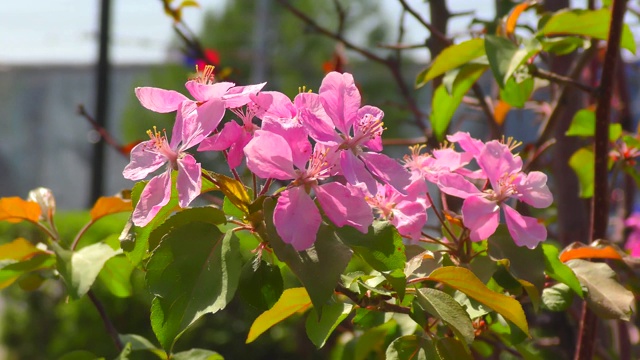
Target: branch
<point>560,79</point>
<point>600,201</point>
<point>111,329</point>
<point>486,108</point>
<point>434,31</point>
<point>372,303</point>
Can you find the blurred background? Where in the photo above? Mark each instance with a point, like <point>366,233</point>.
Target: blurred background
<point>52,63</point>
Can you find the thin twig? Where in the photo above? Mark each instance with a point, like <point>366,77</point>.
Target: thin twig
<point>560,79</point>
<point>486,108</point>
<point>434,31</point>
<point>111,329</point>
<point>372,303</point>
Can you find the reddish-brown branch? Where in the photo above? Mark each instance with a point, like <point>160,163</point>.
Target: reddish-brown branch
<point>600,201</point>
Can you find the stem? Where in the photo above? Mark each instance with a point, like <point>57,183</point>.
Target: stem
<point>111,329</point>
<point>444,224</point>
<point>74,244</point>
<point>600,204</point>
<point>560,79</point>
<point>265,187</point>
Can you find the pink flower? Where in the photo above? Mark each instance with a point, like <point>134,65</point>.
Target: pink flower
<point>633,241</point>
<point>342,124</point>
<point>296,216</point>
<point>442,161</point>
<point>408,213</point>
<point>150,155</point>
<point>206,93</point>
<point>481,209</point>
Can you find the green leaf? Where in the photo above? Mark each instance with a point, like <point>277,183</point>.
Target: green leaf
<point>505,57</point>
<point>516,93</point>
<point>450,58</point>
<point>124,354</point>
<point>382,248</point>
<point>584,124</point>
<point>452,349</point>
<point>194,271</point>
<point>411,347</point>
<point>292,301</point>
<point>318,268</point>
<point>557,270</point>
<point>137,342</point>
<point>605,296</point>
<point>319,329</point>
<point>444,105</point>
<point>524,263</point>
<point>116,276</point>
<point>206,214</point>
<point>260,286</point>
<point>590,23</point>
<point>134,240</point>
<point>197,354</point>
<point>80,269</point>
<point>563,45</point>
<point>557,297</point>
<point>11,270</point>
<point>373,340</point>
<point>582,162</point>
<point>444,307</point>
<point>465,281</point>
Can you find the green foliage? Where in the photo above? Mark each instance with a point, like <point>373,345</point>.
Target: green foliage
<point>451,58</point>
<point>517,92</point>
<point>523,263</point>
<point>260,284</point>
<point>320,327</point>
<point>505,57</point>
<point>584,124</point>
<point>558,270</point>
<point>583,163</point>
<point>193,272</point>
<point>444,307</point>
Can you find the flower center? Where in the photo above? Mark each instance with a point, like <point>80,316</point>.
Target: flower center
<point>206,76</point>
<point>160,145</point>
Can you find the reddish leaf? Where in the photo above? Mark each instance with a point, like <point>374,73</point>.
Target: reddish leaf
<point>109,205</point>
<point>589,252</point>
<point>14,209</point>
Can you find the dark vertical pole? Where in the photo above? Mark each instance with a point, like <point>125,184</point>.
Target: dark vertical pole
<point>102,102</point>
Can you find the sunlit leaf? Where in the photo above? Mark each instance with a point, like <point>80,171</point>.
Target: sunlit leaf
<point>558,270</point>
<point>12,269</point>
<point>605,296</point>
<point>524,263</point>
<point>583,162</point>
<point>79,269</point>
<point>444,307</point>
<point>14,210</point>
<point>557,297</point>
<point>116,276</point>
<point>411,347</point>
<point>319,328</point>
<point>234,190</point>
<point>197,354</point>
<point>107,205</point>
<point>505,57</point>
<point>18,249</point>
<point>465,281</point>
<point>193,272</point>
<point>373,340</point>
<point>292,301</point>
<point>444,105</point>
<point>450,58</point>
<point>584,124</point>
<point>515,93</point>
<point>591,23</point>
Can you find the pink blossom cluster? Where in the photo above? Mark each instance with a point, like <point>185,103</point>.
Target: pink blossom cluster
<point>326,148</point>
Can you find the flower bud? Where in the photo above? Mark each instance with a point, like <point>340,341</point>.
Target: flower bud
<point>44,198</point>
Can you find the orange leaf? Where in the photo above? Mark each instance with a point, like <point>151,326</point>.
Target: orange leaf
<point>500,112</point>
<point>14,209</point>
<point>108,205</point>
<point>19,249</point>
<point>588,252</point>
<point>512,19</point>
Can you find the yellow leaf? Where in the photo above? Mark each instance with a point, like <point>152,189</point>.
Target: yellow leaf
<point>18,249</point>
<point>465,281</point>
<point>234,190</point>
<point>108,205</point>
<point>291,301</point>
<point>500,112</point>
<point>512,19</point>
<point>14,209</point>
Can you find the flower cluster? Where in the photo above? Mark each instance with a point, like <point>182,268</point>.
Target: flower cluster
<point>326,149</point>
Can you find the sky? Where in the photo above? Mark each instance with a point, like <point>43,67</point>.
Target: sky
<point>66,31</point>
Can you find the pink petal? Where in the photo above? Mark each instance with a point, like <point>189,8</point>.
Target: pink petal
<point>456,185</point>
<point>155,195</point>
<point>409,218</point>
<point>235,153</point>
<point>481,216</point>
<point>341,99</point>
<point>466,142</point>
<point>374,144</point>
<point>633,221</point>
<point>269,156</point>
<point>159,100</point>
<point>239,96</point>
<point>497,160</point>
<point>633,244</point>
<point>534,191</point>
<point>387,169</point>
<point>189,182</point>
<point>295,135</point>
<point>313,116</point>
<point>274,104</point>
<point>297,218</point>
<point>354,171</point>
<point>143,162</point>
<point>343,208</point>
<point>198,122</point>
<point>525,231</point>
<point>206,92</point>
<point>229,134</point>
